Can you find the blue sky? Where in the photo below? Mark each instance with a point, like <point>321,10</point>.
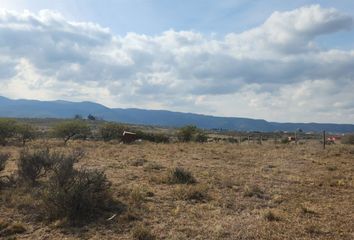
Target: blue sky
<point>278,60</point>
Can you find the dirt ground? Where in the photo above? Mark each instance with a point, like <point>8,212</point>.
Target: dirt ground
<point>245,192</point>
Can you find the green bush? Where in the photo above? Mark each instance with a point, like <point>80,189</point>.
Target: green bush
<point>111,131</point>
<point>7,130</point>
<point>179,175</point>
<point>191,133</point>
<point>33,164</point>
<point>201,137</point>
<point>25,132</point>
<point>3,159</point>
<point>153,137</point>
<point>81,196</point>
<point>72,129</point>
<point>186,133</point>
<point>348,139</point>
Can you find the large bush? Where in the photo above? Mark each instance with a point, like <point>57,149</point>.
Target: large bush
<point>191,133</point>
<point>153,137</point>
<point>111,131</point>
<point>348,139</point>
<point>7,130</point>
<point>33,164</point>
<point>77,195</point>
<point>72,129</point>
<point>186,133</point>
<point>3,158</point>
<point>25,132</point>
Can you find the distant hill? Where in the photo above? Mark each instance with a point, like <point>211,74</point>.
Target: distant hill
<point>65,109</point>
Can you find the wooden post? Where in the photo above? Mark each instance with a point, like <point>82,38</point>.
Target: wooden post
<point>324,139</point>
<point>295,137</point>
<point>248,140</point>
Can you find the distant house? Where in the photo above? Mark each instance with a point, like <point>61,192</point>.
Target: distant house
<point>128,137</point>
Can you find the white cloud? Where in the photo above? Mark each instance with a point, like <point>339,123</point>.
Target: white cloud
<point>275,71</point>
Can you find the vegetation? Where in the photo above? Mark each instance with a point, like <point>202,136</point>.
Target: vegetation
<point>219,190</point>
<point>186,133</point>
<point>25,132</point>
<point>32,165</point>
<point>348,139</point>
<point>72,129</point>
<point>179,175</point>
<point>142,233</point>
<point>153,137</point>
<point>191,133</point>
<point>111,131</point>
<point>7,130</point>
<point>3,159</point>
<point>77,195</point>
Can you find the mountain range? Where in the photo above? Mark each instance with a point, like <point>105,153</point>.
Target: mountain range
<point>23,108</point>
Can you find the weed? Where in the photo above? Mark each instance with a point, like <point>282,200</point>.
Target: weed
<point>180,175</point>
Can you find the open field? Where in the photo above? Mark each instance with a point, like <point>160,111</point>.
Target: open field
<point>243,191</point>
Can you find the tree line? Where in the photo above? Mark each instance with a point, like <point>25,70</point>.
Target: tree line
<point>12,130</point>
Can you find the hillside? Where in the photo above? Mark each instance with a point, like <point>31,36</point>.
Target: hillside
<point>65,109</point>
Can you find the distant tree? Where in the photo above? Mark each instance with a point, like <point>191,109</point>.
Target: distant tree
<point>186,133</point>
<point>91,117</point>
<point>25,132</point>
<point>201,137</point>
<point>78,117</point>
<point>7,130</point>
<point>70,129</point>
<point>111,131</point>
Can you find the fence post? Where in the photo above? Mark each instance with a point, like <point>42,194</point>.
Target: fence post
<point>324,139</point>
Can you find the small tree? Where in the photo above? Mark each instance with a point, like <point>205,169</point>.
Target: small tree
<point>25,132</point>
<point>201,137</point>
<point>7,130</point>
<point>70,129</point>
<point>91,117</point>
<point>186,133</point>
<point>110,131</point>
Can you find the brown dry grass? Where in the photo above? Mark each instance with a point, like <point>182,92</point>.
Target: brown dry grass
<point>253,192</point>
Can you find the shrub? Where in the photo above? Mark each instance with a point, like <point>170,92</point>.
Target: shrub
<point>142,233</point>
<point>254,191</point>
<point>82,195</point>
<point>7,130</point>
<point>3,159</point>
<point>111,131</point>
<point>179,175</point>
<point>201,137</point>
<point>153,137</point>
<point>191,193</point>
<point>348,139</point>
<point>70,129</point>
<point>186,133</point>
<point>271,216</point>
<point>32,165</point>
<point>25,132</point>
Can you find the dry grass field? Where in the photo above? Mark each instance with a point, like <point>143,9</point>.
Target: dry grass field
<point>241,192</point>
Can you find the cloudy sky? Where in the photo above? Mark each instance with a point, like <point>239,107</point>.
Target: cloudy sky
<point>286,61</point>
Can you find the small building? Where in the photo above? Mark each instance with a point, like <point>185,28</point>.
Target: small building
<point>128,137</point>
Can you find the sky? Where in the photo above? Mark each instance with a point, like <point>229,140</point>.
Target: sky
<point>284,61</point>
